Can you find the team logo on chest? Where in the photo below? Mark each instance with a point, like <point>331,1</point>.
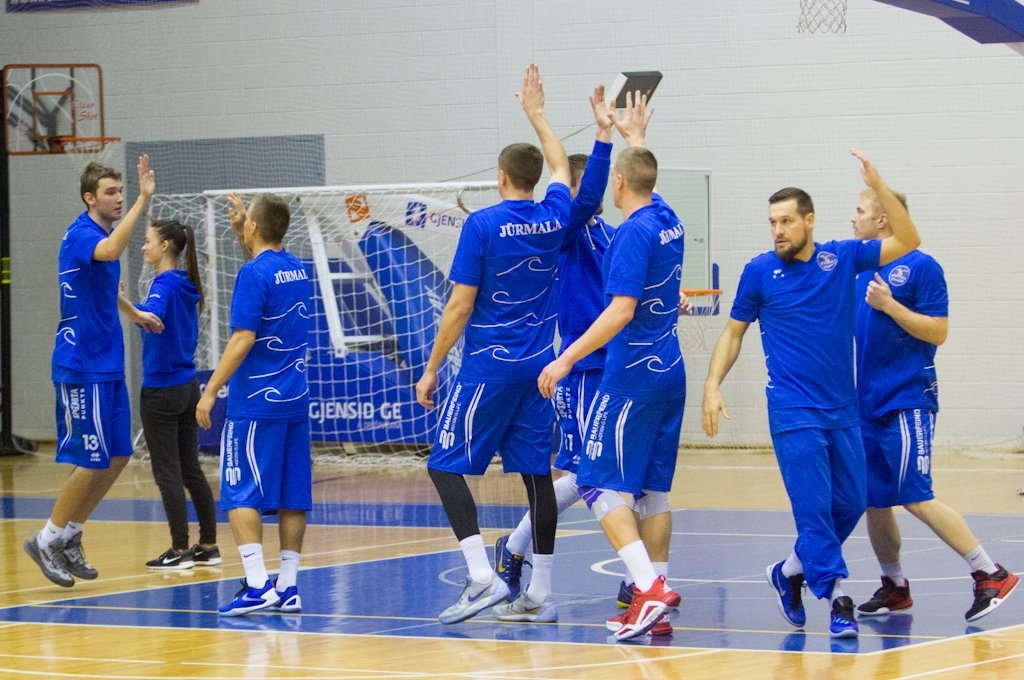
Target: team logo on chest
<point>827,261</point>
<point>899,275</point>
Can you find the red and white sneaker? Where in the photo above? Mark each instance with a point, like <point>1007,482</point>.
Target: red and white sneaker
<point>646,611</point>
<point>663,626</point>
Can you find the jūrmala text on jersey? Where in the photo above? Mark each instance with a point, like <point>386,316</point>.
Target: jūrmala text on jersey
<point>894,369</point>
<point>510,252</point>
<point>89,346</point>
<point>645,262</point>
<point>272,298</point>
<point>806,312</point>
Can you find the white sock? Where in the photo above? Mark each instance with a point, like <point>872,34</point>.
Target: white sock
<point>521,539</point>
<point>837,591</point>
<point>627,578</point>
<point>289,570</point>
<point>894,572</point>
<point>71,530</point>
<point>660,568</point>
<point>252,562</point>
<point>476,558</point>
<point>792,566</point>
<point>979,560</point>
<point>540,581</point>
<point>50,533</point>
<point>639,564</point>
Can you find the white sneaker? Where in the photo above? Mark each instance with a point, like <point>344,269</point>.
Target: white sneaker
<point>475,598</point>
<point>523,608</point>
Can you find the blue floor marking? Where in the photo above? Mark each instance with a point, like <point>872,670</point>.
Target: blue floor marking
<point>328,514</point>
<point>718,562</point>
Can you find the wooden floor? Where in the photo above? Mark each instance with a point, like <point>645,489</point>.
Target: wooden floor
<point>47,631</point>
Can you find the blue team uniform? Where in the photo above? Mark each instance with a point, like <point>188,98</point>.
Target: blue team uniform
<point>92,411</point>
<point>265,458</point>
<point>510,253</point>
<point>168,358</point>
<point>806,311</point>
<point>632,434</point>
<point>897,384</point>
<point>580,301</point>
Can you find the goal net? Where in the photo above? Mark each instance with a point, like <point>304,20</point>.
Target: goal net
<point>378,257</point>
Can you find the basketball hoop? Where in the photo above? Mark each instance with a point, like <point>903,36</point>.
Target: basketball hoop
<point>56,109</point>
<point>704,304</point>
<point>822,16</point>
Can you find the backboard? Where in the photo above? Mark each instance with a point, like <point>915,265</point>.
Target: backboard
<point>51,108</point>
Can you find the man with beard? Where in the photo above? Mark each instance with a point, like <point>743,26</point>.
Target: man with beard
<point>804,296</point>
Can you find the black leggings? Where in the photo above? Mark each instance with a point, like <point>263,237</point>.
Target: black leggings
<point>460,507</point>
<point>169,424</point>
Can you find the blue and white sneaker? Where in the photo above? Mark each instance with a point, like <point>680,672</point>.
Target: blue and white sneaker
<point>788,590</point>
<point>289,601</point>
<point>508,566</point>
<point>251,599</point>
<point>474,599</point>
<point>843,624</point>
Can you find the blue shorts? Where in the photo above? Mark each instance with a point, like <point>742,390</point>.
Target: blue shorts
<point>265,465</point>
<point>94,423</point>
<point>479,419</point>
<point>899,455</point>
<point>631,445</point>
<point>575,397</point>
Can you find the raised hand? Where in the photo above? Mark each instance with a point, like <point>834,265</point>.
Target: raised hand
<point>236,212</point>
<point>531,96</point>
<point>147,178</point>
<point>867,170</point>
<point>602,114</point>
<point>633,127</point>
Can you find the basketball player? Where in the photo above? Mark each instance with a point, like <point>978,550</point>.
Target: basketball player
<point>803,294</point>
<point>93,416</point>
<point>504,298</point>
<point>902,318</point>
<point>580,303</point>
<point>580,300</point>
<point>632,430</point>
<point>265,457</point>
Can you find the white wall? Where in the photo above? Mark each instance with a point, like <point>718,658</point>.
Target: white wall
<point>414,90</point>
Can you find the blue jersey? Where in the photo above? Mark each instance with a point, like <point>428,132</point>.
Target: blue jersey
<point>806,311</point>
<point>168,358</point>
<point>272,298</point>
<point>894,369</point>
<point>645,262</point>
<point>510,252</point>
<point>581,295</point>
<point>89,346</point>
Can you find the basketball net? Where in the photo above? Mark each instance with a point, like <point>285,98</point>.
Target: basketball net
<point>80,151</point>
<point>822,16</point>
<point>693,321</point>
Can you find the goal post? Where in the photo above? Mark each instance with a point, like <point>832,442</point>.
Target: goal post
<point>378,257</point>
